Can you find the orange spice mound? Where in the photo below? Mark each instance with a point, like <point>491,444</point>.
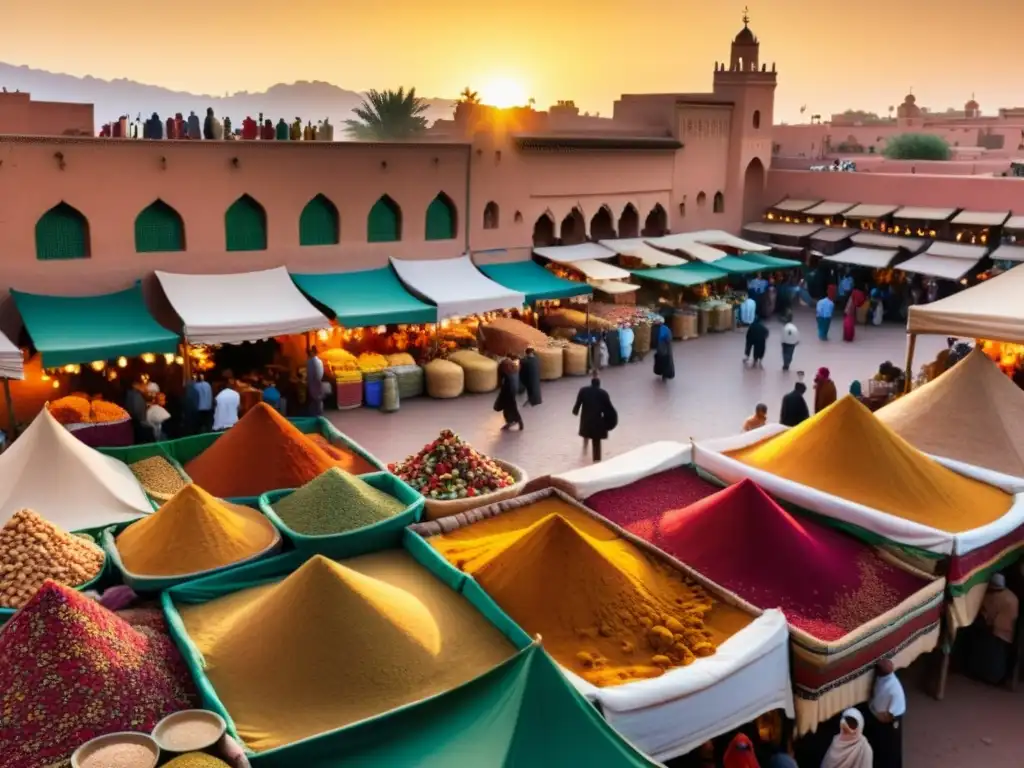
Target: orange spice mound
<point>262,452</point>
<point>73,409</point>
<point>351,462</point>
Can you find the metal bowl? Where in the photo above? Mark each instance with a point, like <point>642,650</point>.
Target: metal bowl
<point>200,715</point>
<point>125,737</point>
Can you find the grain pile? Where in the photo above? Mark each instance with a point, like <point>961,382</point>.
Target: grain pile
<point>603,608</point>
<point>33,550</point>
<point>120,754</point>
<point>335,502</point>
<point>196,760</point>
<point>78,410</point>
<point>71,670</point>
<point>334,643</point>
<point>158,477</point>
<point>192,533</point>
<point>262,452</point>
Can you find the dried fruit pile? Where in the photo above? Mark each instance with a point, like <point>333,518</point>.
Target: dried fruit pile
<point>449,469</point>
<point>33,550</point>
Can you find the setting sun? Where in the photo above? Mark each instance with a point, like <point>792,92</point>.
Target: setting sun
<point>504,93</point>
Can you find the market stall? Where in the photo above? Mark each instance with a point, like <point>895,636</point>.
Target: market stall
<point>869,216</point>
<point>455,286</point>
<point>1008,254</point>
<point>832,239</point>
<point>790,210</point>
<point>922,222</point>
<point>680,288</point>
<point>978,227</point>
<point>828,213</point>
<point>859,256</point>
<point>689,247</point>
<point>722,239</point>
<point>780,234</point>
<point>911,245</point>
<point>946,261</point>
<point>639,250</point>
<point>768,262</point>
<point>370,297</point>
<point>992,309</point>
<point>533,281</point>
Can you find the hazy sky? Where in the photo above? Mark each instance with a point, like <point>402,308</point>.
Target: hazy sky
<point>831,54</point>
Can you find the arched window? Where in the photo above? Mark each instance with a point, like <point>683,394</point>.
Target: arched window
<point>62,233</point>
<point>384,224</point>
<point>702,199</point>
<point>602,226</point>
<point>158,229</point>
<point>544,231</point>
<point>573,229</point>
<point>491,215</point>
<point>629,222</point>
<point>245,225</point>
<point>518,218</point>
<point>718,206</point>
<point>319,223</point>
<point>757,118</point>
<point>656,223</point>
<point>441,218</point>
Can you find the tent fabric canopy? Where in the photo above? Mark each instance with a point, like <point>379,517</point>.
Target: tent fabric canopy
<point>957,251</point>
<point>912,213</point>
<point>365,298</point>
<point>734,265</point>
<point>1008,253</point>
<point>773,228</point>
<point>456,286</point>
<point>638,248</point>
<point>869,211</point>
<point>873,258</point>
<point>684,243</point>
<point>599,270</point>
<point>567,254</point>
<point>81,329</point>
<point>833,234</point>
<point>792,205</point>
<point>695,273</point>
<point>942,267</point>
<point>971,413</point>
<point>876,240</point>
<point>12,364</point>
<point>239,307</point>
<point>992,309</point>
<point>614,287</point>
<point>533,281</point>
<point>981,218</point>
<point>771,262</point>
<point>828,209</point>
<point>721,238</point>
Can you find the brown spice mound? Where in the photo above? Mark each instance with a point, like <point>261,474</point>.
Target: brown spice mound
<point>262,452</point>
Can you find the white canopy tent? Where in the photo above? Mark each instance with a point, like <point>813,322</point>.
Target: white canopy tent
<point>614,287</point>
<point>599,270</point>
<point>684,243</point>
<point>638,248</point>
<point>948,261</point>
<point>991,310</point>
<point>569,254</point>
<point>12,364</point>
<point>721,238</point>
<point>244,306</point>
<point>873,258</point>
<point>456,286</point>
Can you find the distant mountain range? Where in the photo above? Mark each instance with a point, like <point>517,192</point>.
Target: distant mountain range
<point>312,101</point>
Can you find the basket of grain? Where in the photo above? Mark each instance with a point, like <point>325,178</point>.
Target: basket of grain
<point>641,339</point>
<point>551,363</point>
<point>505,336</point>
<point>480,373</point>
<point>410,380</point>
<point>160,476</point>
<point>575,360</point>
<point>399,359</point>
<point>445,379</point>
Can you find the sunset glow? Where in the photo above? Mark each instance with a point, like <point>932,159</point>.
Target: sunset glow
<point>504,93</point>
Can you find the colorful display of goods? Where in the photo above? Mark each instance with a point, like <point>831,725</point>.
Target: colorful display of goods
<point>33,550</point>
<point>361,636</point>
<point>574,318</point>
<point>192,533</point>
<point>619,315</point>
<point>449,469</point>
<point>340,360</point>
<point>71,670</point>
<point>77,410</point>
<point>335,502</point>
<point>604,608</point>
<point>506,336</point>
<point>158,477</point>
<point>371,362</point>
<point>444,379</point>
<point>264,452</point>
<point>633,506</point>
<point>480,373</point>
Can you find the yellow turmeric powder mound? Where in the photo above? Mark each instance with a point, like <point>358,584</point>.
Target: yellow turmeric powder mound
<point>603,607</point>
<point>334,643</point>
<point>193,532</point>
<point>848,452</point>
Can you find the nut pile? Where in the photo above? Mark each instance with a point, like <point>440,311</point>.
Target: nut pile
<point>158,477</point>
<point>33,550</point>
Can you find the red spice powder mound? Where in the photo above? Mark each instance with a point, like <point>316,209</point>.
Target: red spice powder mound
<point>826,582</point>
<point>262,452</point>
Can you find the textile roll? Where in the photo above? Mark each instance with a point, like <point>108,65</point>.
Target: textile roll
<point>445,379</point>
<point>480,373</point>
<point>552,365</point>
<point>575,360</point>
<point>641,339</point>
<point>410,380</point>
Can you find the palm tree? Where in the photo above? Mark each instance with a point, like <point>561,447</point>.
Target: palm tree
<point>469,96</point>
<point>388,116</point>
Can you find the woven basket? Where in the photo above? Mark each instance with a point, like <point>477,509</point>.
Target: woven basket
<point>574,360</point>
<point>445,380</point>
<point>434,510</point>
<point>641,339</point>
<point>480,373</point>
<point>551,364</point>
<point>410,380</point>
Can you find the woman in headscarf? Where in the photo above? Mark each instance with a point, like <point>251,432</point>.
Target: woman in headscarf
<point>824,390</point>
<point>508,391</point>
<point>849,749</point>
<point>740,753</point>
<point>664,365</point>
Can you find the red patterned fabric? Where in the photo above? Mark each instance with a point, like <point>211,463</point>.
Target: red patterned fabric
<point>71,670</point>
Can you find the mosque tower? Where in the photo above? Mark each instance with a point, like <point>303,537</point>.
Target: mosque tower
<point>750,86</point>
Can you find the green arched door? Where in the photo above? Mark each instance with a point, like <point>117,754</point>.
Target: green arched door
<point>159,228</point>
<point>62,233</point>
<point>384,224</point>
<point>245,225</point>
<point>319,223</point>
<point>441,218</point>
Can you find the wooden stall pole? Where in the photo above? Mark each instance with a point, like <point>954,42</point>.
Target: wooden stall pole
<point>946,639</point>
<point>909,377</point>
<point>11,421</point>
<point>186,361</point>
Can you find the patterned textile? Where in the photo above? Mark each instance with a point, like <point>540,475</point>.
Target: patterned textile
<point>71,670</point>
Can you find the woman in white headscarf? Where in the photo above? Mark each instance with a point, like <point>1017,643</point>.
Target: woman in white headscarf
<point>849,749</point>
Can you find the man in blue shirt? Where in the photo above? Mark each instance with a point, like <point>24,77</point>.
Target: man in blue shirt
<point>204,396</point>
<point>846,285</point>
<point>824,313</point>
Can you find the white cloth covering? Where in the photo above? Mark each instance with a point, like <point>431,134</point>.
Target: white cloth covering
<point>624,469</point>
<point>456,286</point>
<point>668,716</point>
<point>569,254</point>
<point>12,364</point>
<point>76,487</point>
<point>850,749</point>
<point>244,306</point>
<point>225,411</point>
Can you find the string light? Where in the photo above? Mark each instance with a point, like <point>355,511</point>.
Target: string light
<point>122,362</point>
<point>322,335</point>
<point>169,358</point>
<point>69,368</point>
<point>148,358</point>
<point>45,377</point>
<point>56,384</point>
<point>98,365</point>
<point>179,360</point>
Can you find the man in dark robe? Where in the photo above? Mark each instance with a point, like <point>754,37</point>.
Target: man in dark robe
<point>597,416</point>
<point>508,391</point>
<point>794,407</point>
<point>529,377</point>
<point>664,365</point>
<point>757,340</point>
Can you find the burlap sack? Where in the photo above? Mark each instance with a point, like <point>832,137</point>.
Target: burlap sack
<point>551,363</point>
<point>574,318</point>
<point>574,360</point>
<point>641,339</point>
<point>480,373</point>
<point>445,380</point>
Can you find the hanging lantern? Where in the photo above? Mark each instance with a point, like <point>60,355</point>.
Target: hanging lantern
<point>148,358</point>
<point>169,358</point>
<point>122,362</point>
<point>98,365</point>
<point>56,384</point>
<point>179,360</point>
<point>69,368</point>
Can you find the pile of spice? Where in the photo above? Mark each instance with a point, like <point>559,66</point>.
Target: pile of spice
<point>33,550</point>
<point>449,469</point>
<point>827,583</point>
<point>873,466</point>
<point>158,477</point>
<point>191,533</point>
<point>71,670</point>
<point>335,502</point>
<point>635,506</point>
<point>120,754</point>
<point>350,461</point>
<point>196,760</point>
<point>262,452</point>
<point>604,609</point>
<point>78,410</point>
<point>360,637</point>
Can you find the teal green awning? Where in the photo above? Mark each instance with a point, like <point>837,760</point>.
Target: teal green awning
<point>531,279</point>
<point>523,712</point>
<point>81,329</point>
<point>694,273</point>
<point>734,265</point>
<point>772,262</point>
<point>366,298</point>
